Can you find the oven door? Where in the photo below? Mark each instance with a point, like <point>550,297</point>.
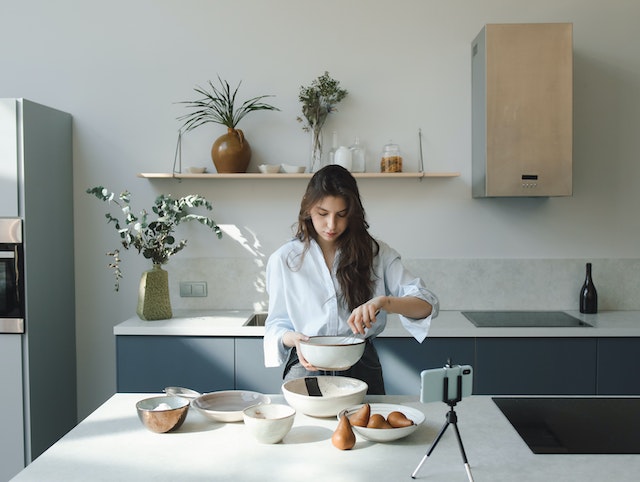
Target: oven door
<point>11,289</point>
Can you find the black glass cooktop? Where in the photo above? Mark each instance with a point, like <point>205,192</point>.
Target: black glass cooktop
<point>492,319</point>
<point>575,425</point>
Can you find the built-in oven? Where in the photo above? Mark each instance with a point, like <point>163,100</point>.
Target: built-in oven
<point>11,276</point>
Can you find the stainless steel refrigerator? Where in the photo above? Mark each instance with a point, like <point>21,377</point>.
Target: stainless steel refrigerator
<point>37,356</point>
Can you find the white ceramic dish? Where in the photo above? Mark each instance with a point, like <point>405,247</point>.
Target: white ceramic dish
<point>333,353</point>
<point>337,393</point>
<point>386,434</point>
<point>227,406</point>
<point>269,168</point>
<point>269,423</point>
<point>197,170</point>
<point>291,169</point>
<point>162,414</point>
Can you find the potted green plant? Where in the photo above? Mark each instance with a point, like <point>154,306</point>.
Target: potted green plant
<point>230,152</point>
<point>155,240</point>
<point>318,101</point>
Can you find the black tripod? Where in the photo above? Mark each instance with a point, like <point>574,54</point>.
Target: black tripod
<point>452,419</point>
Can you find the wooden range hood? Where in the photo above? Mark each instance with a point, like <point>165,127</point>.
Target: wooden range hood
<point>522,110</point>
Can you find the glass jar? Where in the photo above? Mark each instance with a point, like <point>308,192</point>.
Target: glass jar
<point>391,158</point>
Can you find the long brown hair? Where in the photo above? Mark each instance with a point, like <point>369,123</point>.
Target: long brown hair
<point>357,246</point>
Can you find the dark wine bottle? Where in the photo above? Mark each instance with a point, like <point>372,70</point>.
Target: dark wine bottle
<point>588,294</point>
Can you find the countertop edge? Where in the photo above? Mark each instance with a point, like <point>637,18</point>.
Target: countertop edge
<point>449,324</point>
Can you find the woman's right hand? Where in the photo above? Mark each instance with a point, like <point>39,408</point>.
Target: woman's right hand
<point>292,339</point>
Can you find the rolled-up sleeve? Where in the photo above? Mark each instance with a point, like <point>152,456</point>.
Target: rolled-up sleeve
<point>399,281</point>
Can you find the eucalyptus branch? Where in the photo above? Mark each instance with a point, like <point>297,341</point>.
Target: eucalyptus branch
<point>153,239</point>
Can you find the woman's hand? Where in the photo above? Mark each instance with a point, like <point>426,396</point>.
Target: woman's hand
<point>292,339</point>
<point>365,315</point>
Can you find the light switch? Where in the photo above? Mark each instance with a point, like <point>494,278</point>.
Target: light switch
<point>193,289</point>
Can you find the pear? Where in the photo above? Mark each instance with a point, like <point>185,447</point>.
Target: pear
<point>378,421</point>
<point>398,420</point>
<point>361,417</point>
<point>343,438</point>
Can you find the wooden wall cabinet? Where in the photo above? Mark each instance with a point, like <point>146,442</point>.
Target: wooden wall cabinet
<point>522,110</point>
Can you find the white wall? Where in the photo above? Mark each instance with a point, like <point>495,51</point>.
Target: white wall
<point>120,67</point>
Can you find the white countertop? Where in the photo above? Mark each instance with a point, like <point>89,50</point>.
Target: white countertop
<point>447,324</point>
<point>111,444</point>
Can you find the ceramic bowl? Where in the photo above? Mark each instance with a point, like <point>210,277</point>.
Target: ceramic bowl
<point>336,394</point>
<point>291,169</point>
<point>162,414</point>
<point>269,423</point>
<point>386,434</point>
<point>269,168</point>
<point>197,170</point>
<point>182,392</point>
<point>333,353</point>
<point>227,406</point>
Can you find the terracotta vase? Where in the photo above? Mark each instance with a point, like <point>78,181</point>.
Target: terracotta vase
<point>153,295</point>
<point>231,152</point>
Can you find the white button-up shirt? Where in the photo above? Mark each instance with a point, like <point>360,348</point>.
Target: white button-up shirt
<point>305,297</point>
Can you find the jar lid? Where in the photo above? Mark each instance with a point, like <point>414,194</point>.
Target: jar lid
<point>391,147</point>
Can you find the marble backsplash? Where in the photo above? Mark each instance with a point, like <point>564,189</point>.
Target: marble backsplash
<point>461,284</point>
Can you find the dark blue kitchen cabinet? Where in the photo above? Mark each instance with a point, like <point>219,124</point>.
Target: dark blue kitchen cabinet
<point>618,362</point>
<point>250,372</point>
<point>403,359</point>
<point>535,366</point>
<point>502,366</point>
<point>151,363</point>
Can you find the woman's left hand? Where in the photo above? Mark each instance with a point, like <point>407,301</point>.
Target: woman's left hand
<point>364,316</point>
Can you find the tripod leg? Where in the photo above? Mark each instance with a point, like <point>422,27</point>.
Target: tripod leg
<point>464,455</point>
<point>433,446</point>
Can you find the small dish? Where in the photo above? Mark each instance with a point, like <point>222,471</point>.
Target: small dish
<point>269,423</point>
<point>386,434</point>
<point>227,406</point>
<point>291,169</point>
<point>269,168</point>
<point>182,392</point>
<point>197,170</point>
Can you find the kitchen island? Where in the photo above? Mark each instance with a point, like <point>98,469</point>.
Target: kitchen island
<point>111,444</point>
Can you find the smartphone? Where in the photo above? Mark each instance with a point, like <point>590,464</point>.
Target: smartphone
<point>432,383</point>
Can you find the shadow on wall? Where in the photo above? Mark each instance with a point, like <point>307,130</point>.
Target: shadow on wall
<point>233,282</point>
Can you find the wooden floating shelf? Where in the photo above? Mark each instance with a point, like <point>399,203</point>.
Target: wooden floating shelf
<point>257,175</point>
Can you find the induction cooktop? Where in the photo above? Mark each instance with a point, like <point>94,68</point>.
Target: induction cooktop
<point>575,425</point>
<point>492,319</point>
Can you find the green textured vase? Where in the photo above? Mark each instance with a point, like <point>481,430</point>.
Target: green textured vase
<point>153,295</point>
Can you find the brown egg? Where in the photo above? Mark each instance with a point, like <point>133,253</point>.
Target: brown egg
<point>343,438</point>
<point>398,420</point>
<point>378,421</point>
<point>361,417</point>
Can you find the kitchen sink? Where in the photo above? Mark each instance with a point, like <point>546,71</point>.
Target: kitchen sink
<point>257,319</point>
<point>535,319</point>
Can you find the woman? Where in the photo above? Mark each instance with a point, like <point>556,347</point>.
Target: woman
<point>334,278</point>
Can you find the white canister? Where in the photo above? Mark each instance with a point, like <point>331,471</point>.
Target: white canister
<point>343,157</point>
